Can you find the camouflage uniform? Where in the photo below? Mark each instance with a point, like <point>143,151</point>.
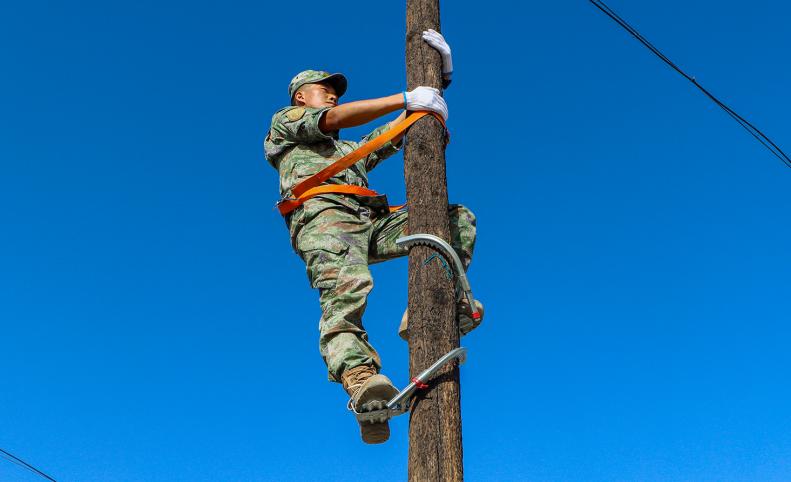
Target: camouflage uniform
<point>338,236</point>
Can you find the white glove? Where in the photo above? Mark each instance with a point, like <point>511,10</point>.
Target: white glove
<point>426,98</point>
<point>436,40</point>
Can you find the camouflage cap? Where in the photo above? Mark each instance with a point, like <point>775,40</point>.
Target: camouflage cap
<point>338,81</point>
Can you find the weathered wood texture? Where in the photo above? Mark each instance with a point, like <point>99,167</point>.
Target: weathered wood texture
<point>435,447</point>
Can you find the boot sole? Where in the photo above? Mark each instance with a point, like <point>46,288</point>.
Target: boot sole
<point>372,432</point>
<point>377,397</point>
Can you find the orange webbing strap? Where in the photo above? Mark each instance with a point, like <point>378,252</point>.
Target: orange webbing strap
<point>351,158</point>
<point>287,205</point>
<point>311,186</point>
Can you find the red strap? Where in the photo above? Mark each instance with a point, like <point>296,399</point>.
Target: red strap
<point>420,385</point>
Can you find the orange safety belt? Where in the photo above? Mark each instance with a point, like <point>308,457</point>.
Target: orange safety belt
<point>311,186</point>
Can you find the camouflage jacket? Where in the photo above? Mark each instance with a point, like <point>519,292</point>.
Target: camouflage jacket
<point>298,149</point>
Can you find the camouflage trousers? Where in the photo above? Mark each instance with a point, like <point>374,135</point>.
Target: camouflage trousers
<point>337,244</point>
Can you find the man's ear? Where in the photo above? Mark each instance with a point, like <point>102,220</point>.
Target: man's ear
<point>299,98</point>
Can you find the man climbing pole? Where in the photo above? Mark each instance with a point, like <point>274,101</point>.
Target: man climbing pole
<point>338,226</point>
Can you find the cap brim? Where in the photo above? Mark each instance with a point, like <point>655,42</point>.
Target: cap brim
<point>337,81</point>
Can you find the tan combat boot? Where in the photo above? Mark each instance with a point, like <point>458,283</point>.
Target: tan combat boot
<point>464,315</point>
<point>369,391</point>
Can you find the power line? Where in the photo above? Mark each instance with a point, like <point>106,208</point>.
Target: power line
<point>754,131</point>
<point>13,458</point>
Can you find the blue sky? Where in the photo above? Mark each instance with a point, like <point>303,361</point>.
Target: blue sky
<point>632,254</point>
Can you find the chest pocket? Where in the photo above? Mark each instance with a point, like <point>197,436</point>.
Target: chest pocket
<point>307,160</point>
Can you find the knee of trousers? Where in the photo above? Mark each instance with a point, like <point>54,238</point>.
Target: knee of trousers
<point>343,341</point>
<point>343,304</point>
<point>463,231</point>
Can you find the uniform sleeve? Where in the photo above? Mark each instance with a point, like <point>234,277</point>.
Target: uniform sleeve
<point>292,126</point>
<point>300,124</point>
<point>383,152</point>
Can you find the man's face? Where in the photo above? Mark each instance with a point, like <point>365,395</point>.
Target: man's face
<point>316,95</point>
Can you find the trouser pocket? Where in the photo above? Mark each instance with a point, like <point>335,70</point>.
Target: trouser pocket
<point>324,257</point>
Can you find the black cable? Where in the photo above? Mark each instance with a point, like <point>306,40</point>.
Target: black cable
<point>13,458</point>
<point>12,461</point>
<point>754,131</point>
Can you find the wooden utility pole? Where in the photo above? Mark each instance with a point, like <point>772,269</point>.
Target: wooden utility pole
<point>435,448</point>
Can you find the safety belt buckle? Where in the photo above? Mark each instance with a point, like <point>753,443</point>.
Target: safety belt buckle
<point>284,199</point>
<point>286,204</point>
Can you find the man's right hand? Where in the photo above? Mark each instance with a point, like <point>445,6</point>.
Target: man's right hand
<point>426,98</point>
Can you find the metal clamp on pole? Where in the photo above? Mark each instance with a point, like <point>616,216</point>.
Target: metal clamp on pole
<point>448,252</point>
<point>399,404</point>
<point>400,400</point>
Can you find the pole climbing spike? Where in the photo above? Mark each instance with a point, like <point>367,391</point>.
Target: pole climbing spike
<point>399,404</point>
<point>448,252</point>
